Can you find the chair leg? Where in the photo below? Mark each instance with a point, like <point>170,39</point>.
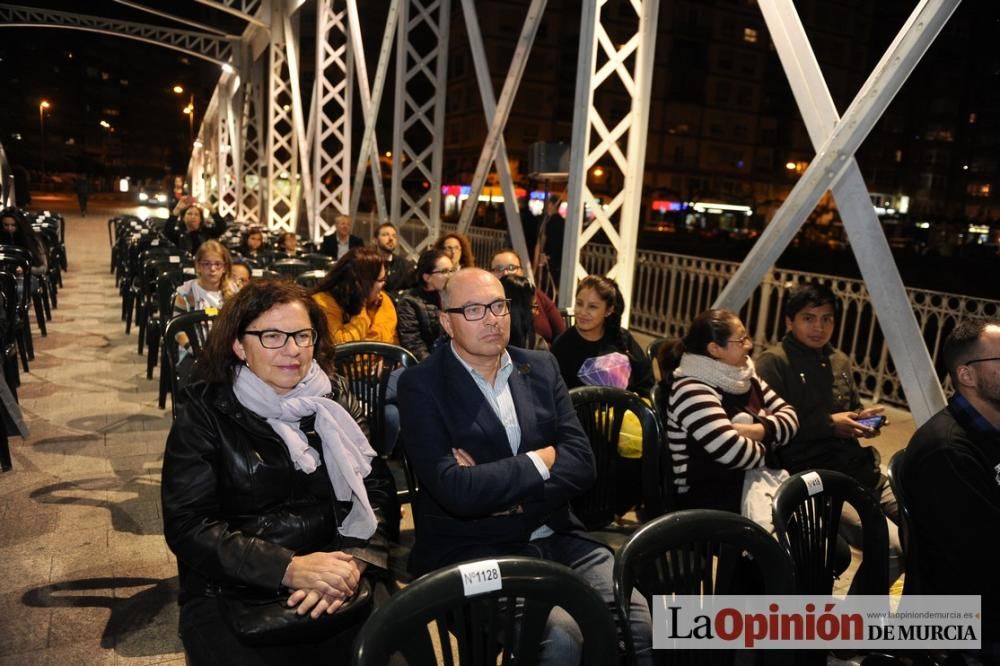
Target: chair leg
<point>142,322</point>
<point>10,370</point>
<point>22,348</point>
<point>39,314</point>
<point>153,349</point>
<point>164,380</point>
<point>47,300</point>
<point>5,462</point>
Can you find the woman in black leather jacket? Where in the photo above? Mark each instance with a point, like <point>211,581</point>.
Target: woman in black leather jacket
<point>417,310</point>
<point>295,505</point>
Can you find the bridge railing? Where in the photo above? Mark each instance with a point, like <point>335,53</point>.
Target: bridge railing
<point>671,289</point>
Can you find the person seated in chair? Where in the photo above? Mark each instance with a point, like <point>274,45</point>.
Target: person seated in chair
<point>353,298</point>
<point>817,380</point>
<point>271,491</point>
<point>494,440</point>
<point>722,420</point>
<point>952,480</point>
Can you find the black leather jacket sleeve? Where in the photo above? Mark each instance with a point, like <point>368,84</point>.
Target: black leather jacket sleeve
<point>193,521</point>
<point>227,490</point>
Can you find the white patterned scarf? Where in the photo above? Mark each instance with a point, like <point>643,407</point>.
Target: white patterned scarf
<point>345,449</point>
<point>731,379</point>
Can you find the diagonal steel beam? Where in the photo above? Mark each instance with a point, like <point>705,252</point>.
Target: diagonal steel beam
<point>868,242</point>
<point>371,101</point>
<point>833,157</point>
<point>495,149</point>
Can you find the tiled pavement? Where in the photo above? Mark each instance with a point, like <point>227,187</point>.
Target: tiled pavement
<point>85,576</point>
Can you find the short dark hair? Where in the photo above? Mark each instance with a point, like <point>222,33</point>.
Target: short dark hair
<point>218,362</point>
<point>382,226</point>
<point>506,250</point>
<point>810,295</point>
<point>961,344</point>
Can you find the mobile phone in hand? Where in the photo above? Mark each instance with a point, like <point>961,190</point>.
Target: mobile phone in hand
<point>873,422</point>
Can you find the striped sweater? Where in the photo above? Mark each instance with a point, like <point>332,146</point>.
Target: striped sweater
<point>709,456</point>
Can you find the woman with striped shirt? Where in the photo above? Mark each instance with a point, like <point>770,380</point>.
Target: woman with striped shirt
<point>722,419</point>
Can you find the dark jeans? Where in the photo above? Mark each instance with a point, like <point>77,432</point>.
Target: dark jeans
<point>562,641</point>
<point>208,641</point>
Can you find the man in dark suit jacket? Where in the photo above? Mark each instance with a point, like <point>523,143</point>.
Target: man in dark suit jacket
<point>341,241</point>
<point>951,475</point>
<point>498,450</point>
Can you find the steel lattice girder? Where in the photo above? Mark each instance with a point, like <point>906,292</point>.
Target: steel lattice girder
<point>330,118</point>
<point>417,141</point>
<point>198,44</point>
<point>587,120</point>
<point>836,140</point>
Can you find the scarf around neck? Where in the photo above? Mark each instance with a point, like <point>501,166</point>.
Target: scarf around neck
<point>729,378</point>
<point>345,449</point>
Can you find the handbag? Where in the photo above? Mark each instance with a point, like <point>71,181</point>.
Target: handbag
<point>262,619</point>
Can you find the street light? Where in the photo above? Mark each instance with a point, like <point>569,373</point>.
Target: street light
<point>188,110</point>
<point>44,104</point>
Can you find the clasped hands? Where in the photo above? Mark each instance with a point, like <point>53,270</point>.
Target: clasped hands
<point>322,582</point>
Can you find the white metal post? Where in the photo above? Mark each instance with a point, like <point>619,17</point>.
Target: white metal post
<point>330,119</point>
<point>282,145</point>
<point>369,109</point>
<point>495,149</point>
<point>619,219</point>
<point>418,115</point>
<point>868,242</point>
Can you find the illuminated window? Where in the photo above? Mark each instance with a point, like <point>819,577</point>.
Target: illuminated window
<point>749,35</point>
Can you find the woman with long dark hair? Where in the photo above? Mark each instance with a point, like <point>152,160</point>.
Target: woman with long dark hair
<point>419,327</point>
<point>274,503</point>
<point>351,296</point>
<point>722,419</point>
<point>16,230</point>
<point>522,294</point>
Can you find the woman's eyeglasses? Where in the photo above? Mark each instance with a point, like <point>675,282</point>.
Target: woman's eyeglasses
<point>274,339</point>
<point>211,264</point>
<point>445,271</point>
<point>740,341</point>
<point>476,311</point>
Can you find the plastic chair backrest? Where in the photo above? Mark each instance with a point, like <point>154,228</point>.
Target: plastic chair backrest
<point>653,352</point>
<point>290,267</point>
<point>310,279</point>
<point>366,367</point>
<point>699,552</point>
<point>806,511</point>
<point>601,410</point>
<point>318,261</point>
<point>195,325</point>
<point>505,622</point>
<point>907,528</point>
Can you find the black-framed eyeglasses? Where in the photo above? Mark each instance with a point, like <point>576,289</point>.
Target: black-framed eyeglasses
<point>740,341</point>
<point>444,271</point>
<point>507,268</point>
<point>272,338</point>
<point>982,360</point>
<point>476,311</point>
